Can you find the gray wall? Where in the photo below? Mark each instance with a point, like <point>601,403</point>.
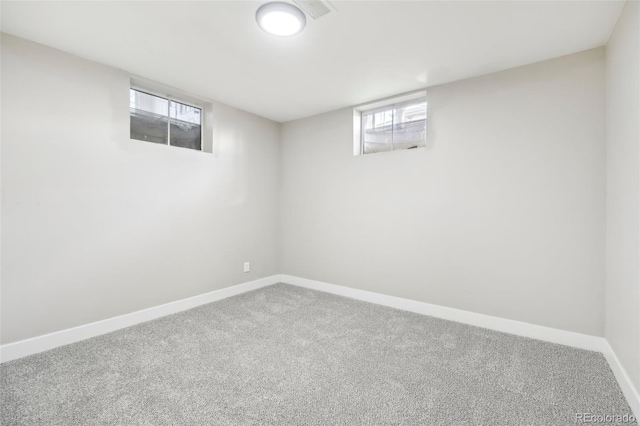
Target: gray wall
<point>96,225</point>
<point>623,191</point>
<point>501,214</point>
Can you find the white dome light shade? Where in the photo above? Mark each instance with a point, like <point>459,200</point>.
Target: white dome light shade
<point>281,19</point>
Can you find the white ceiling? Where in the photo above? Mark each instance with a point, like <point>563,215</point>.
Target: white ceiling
<point>359,52</point>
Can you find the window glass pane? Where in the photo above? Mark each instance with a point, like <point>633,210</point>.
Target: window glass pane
<point>149,118</point>
<point>185,113</point>
<point>410,125</point>
<point>185,126</point>
<point>145,102</point>
<point>377,131</point>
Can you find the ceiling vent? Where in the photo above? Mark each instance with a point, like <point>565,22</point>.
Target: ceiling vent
<point>313,8</point>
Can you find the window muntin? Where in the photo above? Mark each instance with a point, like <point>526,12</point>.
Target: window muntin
<point>164,121</point>
<point>394,126</point>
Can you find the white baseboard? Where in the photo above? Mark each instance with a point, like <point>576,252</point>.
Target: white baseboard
<point>548,334</point>
<point>628,389</point>
<point>45,342</point>
<point>38,344</point>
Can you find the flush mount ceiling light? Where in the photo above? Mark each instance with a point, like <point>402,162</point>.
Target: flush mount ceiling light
<point>281,19</point>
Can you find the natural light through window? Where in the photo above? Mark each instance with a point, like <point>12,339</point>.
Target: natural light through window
<point>392,125</point>
<point>164,121</point>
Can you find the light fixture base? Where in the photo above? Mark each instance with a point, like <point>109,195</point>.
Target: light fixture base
<point>280,19</point>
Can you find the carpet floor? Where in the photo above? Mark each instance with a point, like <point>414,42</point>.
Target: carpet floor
<point>284,355</point>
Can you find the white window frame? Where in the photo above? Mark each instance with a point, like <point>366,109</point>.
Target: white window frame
<point>379,105</point>
<point>165,92</point>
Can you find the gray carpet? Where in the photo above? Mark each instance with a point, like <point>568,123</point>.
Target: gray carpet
<point>284,355</point>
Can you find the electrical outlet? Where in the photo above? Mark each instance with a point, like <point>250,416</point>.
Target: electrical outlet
<point>247,266</point>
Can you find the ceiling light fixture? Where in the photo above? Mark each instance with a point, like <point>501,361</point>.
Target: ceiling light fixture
<point>281,19</point>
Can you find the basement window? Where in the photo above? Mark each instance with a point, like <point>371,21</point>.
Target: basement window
<point>164,120</point>
<point>391,125</point>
